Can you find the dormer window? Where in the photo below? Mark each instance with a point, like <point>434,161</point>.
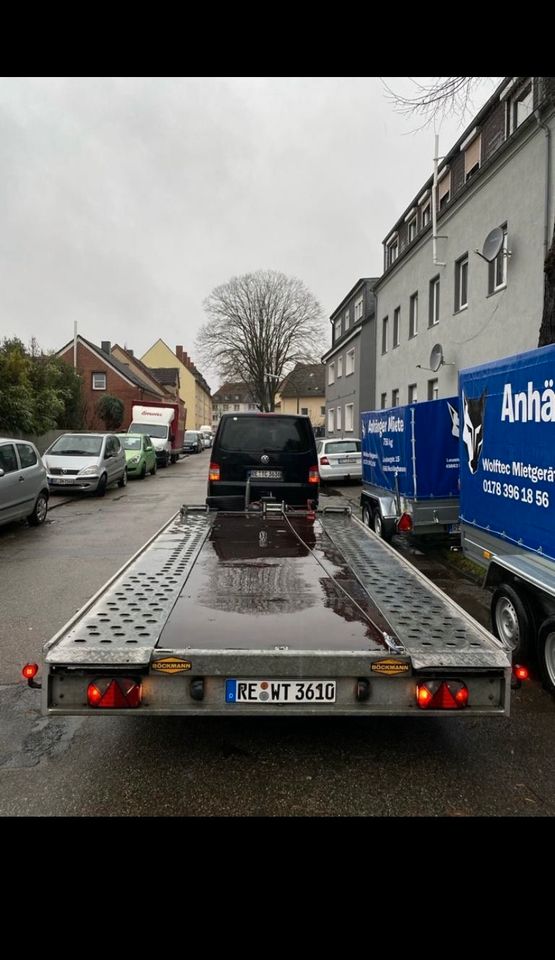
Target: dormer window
<point>444,189</point>
<point>472,148</point>
<point>392,250</point>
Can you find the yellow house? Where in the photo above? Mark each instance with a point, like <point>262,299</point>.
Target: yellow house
<point>303,391</point>
<point>193,389</point>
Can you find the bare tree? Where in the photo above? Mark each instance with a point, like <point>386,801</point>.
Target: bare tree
<point>259,325</point>
<point>452,95</point>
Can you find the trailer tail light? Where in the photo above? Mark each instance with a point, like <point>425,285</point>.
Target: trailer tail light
<point>30,671</point>
<point>313,475</point>
<point>442,695</point>
<point>520,672</point>
<point>214,472</point>
<point>404,523</point>
<point>120,694</point>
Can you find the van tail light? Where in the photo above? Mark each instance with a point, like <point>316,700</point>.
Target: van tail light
<point>113,694</point>
<point>404,523</point>
<point>442,695</point>
<point>214,472</point>
<point>313,475</point>
<point>324,462</point>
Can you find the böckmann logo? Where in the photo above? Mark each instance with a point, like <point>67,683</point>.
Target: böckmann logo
<point>170,665</point>
<point>390,667</point>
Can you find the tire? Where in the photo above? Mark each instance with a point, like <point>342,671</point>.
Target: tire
<point>546,655</point>
<point>510,620</point>
<point>154,469</point>
<point>102,484</point>
<point>174,458</point>
<point>366,515</point>
<point>122,482</point>
<point>40,510</point>
<point>142,474</point>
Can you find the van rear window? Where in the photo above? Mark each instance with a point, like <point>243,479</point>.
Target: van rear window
<point>265,434</point>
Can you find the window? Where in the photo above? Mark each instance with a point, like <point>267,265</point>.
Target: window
<point>433,389</point>
<point>412,393</point>
<point>434,302</point>
<point>251,406</point>
<point>331,373</point>
<point>336,330</point>
<point>350,362</point>
<point>396,326</point>
<point>383,401</point>
<point>413,315</point>
<point>349,417</point>
<point>236,406</point>
<point>497,278</point>
<point>426,214</point>
<point>340,366</point>
<point>520,106</point>
<point>358,308</point>
<point>304,411</point>
<point>461,283</point>
<point>444,190</point>
<point>338,418</point>
<point>331,420</point>
<point>392,251</point>
<point>412,229</point>
<point>346,319</point>
<point>27,456</point>
<point>385,323</point>
<point>99,381</point>
<point>472,157</point>
<point>322,411</point>
<point>225,406</point>
<point>8,460</point>
<point>395,398</point>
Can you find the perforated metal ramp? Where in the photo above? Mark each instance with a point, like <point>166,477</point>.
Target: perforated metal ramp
<point>433,629</point>
<point>124,624</point>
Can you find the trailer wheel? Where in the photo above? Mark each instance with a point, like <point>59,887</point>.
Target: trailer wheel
<point>366,516</point>
<point>546,654</point>
<point>383,528</point>
<point>510,619</point>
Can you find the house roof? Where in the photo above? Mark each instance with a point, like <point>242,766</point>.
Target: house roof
<point>305,380</point>
<point>237,392</point>
<point>358,286</point>
<point>168,376</point>
<point>111,361</point>
<point>148,371</point>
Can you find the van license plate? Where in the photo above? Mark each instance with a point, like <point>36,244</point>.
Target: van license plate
<point>280,691</point>
<point>266,474</point>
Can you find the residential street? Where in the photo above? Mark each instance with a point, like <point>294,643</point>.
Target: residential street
<point>132,766</point>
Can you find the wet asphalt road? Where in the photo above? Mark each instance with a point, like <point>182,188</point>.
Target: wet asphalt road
<point>128,766</point>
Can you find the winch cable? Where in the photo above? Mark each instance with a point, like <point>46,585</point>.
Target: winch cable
<point>391,642</point>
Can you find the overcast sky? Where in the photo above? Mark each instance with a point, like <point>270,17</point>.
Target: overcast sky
<point>124,202</point>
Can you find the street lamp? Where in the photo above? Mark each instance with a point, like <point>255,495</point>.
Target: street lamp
<point>273,376</point>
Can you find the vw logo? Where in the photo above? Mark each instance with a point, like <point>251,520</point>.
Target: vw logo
<point>264,458</point>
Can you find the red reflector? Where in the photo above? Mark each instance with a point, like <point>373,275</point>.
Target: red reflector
<point>324,461</point>
<point>313,475</point>
<point>442,695</point>
<point>214,472</point>
<point>114,694</point>
<point>520,672</point>
<point>404,523</point>
<point>30,670</point>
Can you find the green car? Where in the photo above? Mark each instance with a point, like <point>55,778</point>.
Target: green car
<point>139,453</point>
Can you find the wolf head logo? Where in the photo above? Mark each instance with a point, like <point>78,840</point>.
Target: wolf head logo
<point>454,414</point>
<point>473,428</point>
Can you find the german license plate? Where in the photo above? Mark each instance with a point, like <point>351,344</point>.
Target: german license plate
<point>280,691</point>
<point>65,480</point>
<point>266,474</point>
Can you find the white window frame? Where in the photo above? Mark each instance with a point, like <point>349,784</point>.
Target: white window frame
<point>349,417</point>
<point>433,389</point>
<point>413,393</point>
<point>517,111</point>
<point>433,316</point>
<point>413,315</point>
<point>350,362</point>
<point>412,229</point>
<point>498,267</point>
<point>336,329</point>
<point>340,366</point>
<point>331,420</point>
<point>94,381</point>
<point>426,213</point>
<point>396,327</point>
<point>385,335</point>
<point>359,307</point>
<point>338,418</point>
<point>347,319</point>
<point>392,248</point>
<point>331,373</point>
<point>395,397</point>
<point>461,267</point>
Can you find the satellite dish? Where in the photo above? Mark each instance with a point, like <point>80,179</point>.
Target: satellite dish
<point>492,244</point>
<point>436,357</point>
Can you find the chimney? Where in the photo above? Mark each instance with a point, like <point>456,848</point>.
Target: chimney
<point>131,354</point>
<point>106,346</point>
<point>179,352</point>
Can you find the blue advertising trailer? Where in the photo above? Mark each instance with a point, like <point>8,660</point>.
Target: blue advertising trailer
<point>507,495</point>
<point>410,468</point>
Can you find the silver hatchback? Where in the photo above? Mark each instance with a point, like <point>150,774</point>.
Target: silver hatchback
<point>86,462</point>
<point>23,484</point>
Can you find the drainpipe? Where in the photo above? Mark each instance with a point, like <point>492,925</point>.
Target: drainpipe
<point>438,263</point>
<point>75,344</point>
<point>547,222</point>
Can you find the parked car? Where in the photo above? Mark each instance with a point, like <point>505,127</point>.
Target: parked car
<point>192,442</point>
<point>23,483</point>
<point>274,453</point>
<point>339,459</point>
<point>139,454</point>
<point>206,438</point>
<point>86,462</point>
